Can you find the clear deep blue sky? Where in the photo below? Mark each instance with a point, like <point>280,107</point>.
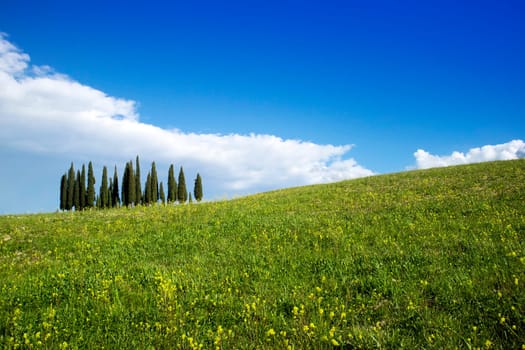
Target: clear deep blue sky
<point>389,77</point>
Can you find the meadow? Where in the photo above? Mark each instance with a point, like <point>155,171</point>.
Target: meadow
<point>421,259</point>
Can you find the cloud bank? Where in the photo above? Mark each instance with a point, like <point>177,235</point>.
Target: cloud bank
<point>45,112</point>
<point>511,150</point>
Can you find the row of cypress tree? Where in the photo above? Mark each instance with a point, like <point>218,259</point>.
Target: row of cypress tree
<point>76,194</point>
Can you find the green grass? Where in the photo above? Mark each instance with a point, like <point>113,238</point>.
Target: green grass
<point>421,259</point>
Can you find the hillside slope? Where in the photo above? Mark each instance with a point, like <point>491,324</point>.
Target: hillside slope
<point>421,259</point>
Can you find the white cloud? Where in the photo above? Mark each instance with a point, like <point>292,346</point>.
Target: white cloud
<point>12,60</point>
<point>511,150</point>
<point>49,113</point>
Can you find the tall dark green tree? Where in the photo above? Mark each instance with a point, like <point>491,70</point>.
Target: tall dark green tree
<point>172,185</point>
<point>161,194</point>
<point>197,189</point>
<point>90,196</point>
<point>70,187</point>
<point>83,190</point>
<point>107,200</point>
<point>63,192</point>
<point>147,190</point>
<point>128,185</point>
<point>138,186</point>
<point>110,193</point>
<point>154,184</point>
<point>103,193</point>
<point>131,184</point>
<point>115,193</point>
<point>125,186</point>
<point>76,192</point>
<point>182,192</point>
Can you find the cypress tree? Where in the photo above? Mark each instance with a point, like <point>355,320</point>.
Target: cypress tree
<point>190,200</point>
<point>70,187</point>
<point>147,190</point>
<point>197,189</point>
<point>128,185</point>
<point>90,196</point>
<point>182,192</point>
<point>172,185</point>
<point>116,199</point>
<point>154,184</point>
<point>131,184</point>
<point>138,186</point>
<point>63,192</point>
<point>104,192</point>
<point>83,187</point>
<point>76,192</point>
<point>110,193</point>
<point>162,195</point>
<point>125,186</point>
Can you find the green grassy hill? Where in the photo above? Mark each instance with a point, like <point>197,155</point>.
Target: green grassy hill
<point>421,259</point>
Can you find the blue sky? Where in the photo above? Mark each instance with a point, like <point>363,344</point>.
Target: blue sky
<point>350,88</point>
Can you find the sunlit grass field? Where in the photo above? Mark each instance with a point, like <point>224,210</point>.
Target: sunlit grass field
<point>421,259</point>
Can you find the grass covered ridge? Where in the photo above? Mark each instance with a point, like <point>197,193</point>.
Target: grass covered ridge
<point>421,259</point>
